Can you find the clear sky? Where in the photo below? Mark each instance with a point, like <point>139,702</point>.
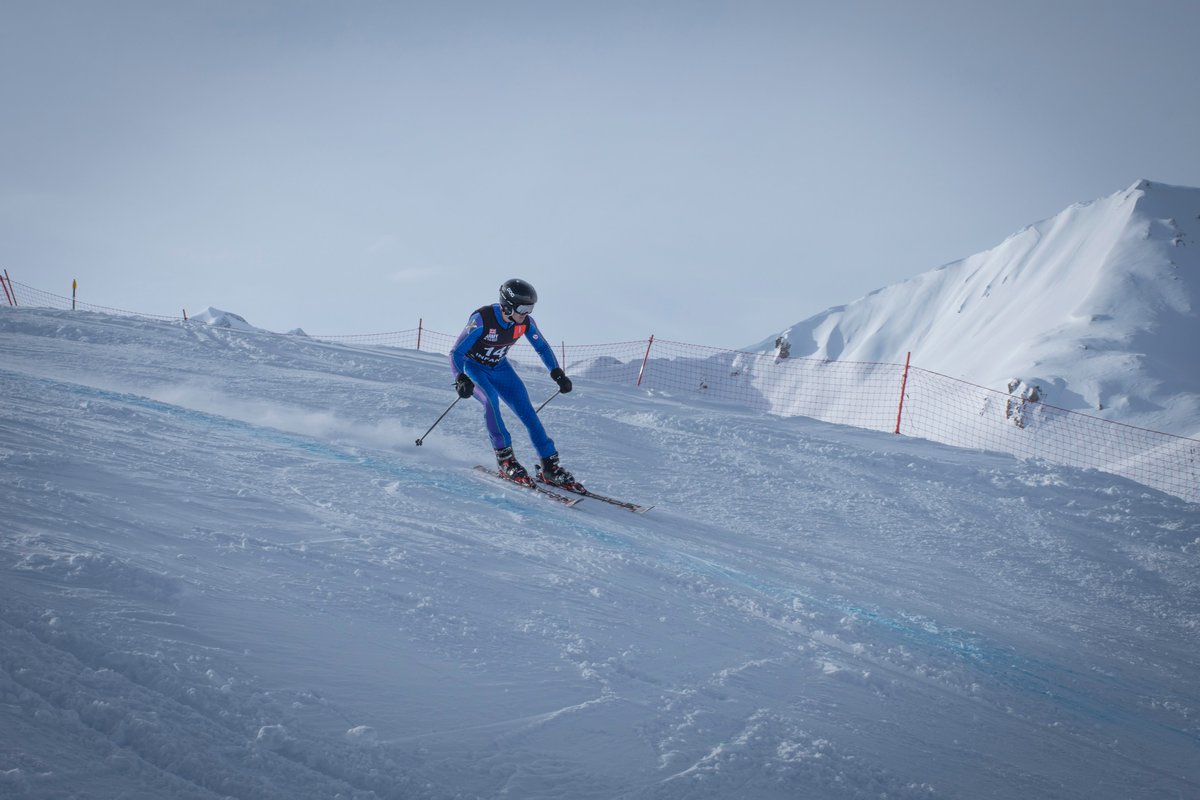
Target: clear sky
<point>709,172</point>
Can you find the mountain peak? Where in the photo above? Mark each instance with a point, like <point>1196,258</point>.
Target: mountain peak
<point>1096,305</point>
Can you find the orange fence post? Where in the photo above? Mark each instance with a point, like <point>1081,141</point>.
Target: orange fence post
<point>420,326</point>
<point>903,384</point>
<point>645,358</point>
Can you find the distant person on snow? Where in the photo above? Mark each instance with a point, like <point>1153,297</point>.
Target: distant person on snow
<point>783,349</point>
<point>480,361</point>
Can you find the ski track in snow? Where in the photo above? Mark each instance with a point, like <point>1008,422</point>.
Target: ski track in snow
<point>228,573</point>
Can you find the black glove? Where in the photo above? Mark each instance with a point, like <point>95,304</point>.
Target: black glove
<point>560,377</point>
<point>464,385</point>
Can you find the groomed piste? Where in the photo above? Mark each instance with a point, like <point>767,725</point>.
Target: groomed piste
<point>227,572</point>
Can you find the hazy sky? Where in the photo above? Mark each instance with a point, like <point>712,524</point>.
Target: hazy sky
<point>709,172</point>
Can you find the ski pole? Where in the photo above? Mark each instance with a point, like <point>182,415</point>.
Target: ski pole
<point>421,441</point>
<point>548,399</point>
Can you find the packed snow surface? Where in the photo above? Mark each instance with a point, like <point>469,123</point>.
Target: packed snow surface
<point>227,572</point>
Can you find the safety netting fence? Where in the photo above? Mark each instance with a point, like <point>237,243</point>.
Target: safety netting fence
<point>903,399</point>
<point>895,398</point>
<point>20,294</point>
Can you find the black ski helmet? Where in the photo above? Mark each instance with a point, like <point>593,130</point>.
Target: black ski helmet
<point>517,295</point>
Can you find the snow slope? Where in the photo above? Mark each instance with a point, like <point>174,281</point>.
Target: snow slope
<point>226,571</point>
<point>1099,306</point>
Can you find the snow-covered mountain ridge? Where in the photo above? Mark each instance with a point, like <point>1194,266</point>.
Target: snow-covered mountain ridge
<point>1099,306</point>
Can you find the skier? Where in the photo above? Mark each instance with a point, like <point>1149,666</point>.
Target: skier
<point>480,361</point>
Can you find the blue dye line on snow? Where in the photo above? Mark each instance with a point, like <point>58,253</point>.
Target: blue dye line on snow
<point>447,482</point>
<point>1033,677</point>
<point>1030,676</point>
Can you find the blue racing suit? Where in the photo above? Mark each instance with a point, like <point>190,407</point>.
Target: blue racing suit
<point>481,351</point>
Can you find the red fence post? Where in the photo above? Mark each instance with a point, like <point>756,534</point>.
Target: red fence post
<point>420,327</point>
<point>6,294</point>
<point>12,296</point>
<point>903,385</point>
<point>645,358</point>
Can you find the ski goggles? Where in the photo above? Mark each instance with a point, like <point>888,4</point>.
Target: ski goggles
<point>523,309</point>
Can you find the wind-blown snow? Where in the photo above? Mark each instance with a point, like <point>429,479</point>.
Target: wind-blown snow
<point>226,571</point>
<point>224,319</point>
<point>1098,306</point>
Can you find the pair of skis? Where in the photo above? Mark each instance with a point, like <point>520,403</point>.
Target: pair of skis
<point>564,495</point>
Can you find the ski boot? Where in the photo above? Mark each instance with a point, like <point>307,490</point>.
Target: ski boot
<point>551,472</point>
<point>510,468</point>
